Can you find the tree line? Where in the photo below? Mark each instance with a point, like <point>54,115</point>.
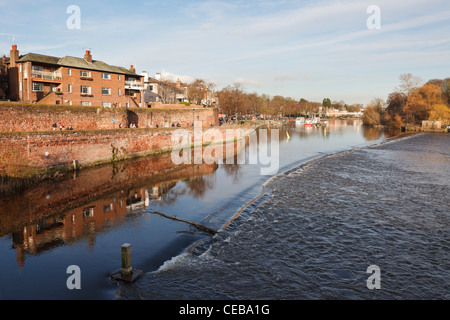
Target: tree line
<point>411,103</point>
<point>233,99</point>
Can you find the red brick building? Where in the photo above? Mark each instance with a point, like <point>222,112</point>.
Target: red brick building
<point>37,78</point>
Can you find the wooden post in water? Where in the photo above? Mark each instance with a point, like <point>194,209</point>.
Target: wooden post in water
<point>126,259</point>
<point>126,273</point>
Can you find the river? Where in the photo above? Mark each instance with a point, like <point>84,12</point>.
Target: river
<point>299,238</point>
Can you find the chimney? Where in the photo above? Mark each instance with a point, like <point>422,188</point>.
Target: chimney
<point>13,56</point>
<point>132,69</point>
<point>158,76</point>
<point>88,56</point>
<point>178,83</point>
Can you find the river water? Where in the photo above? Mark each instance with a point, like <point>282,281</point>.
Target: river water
<point>344,198</point>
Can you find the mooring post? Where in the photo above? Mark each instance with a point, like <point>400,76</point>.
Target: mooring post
<point>75,164</point>
<point>126,259</point>
<point>126,273</point>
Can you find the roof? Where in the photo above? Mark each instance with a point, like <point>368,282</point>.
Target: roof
<point>34,57</point>
<point>168,83</point>
<point>75,62</point>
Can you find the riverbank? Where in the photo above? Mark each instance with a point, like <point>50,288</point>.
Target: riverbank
<point>316,229</point>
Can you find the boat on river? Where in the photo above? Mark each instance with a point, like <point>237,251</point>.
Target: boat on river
<point>300,120</point>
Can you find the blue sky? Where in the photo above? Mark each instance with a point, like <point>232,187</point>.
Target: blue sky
<point>301,49</point>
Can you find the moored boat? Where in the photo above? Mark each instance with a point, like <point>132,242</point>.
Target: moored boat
<point>300,120</point>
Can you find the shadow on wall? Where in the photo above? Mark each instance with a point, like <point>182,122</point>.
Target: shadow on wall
<point>133,119</point>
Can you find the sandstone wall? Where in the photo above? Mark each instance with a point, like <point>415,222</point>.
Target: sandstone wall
<point>16,117</point>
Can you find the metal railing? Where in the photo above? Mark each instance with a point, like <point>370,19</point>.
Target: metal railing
<point>46,75</point>
<point>134,85</point>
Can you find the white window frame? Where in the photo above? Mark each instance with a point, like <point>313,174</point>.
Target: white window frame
<point>85,103</point>
<point>84,73</point>
<point>69,88</point>
<point>106,104</point>
<point>88,91</point>
<point>106,76</point>
<point>38,87</point>
<point>108,90</point>
<point>69,72</point>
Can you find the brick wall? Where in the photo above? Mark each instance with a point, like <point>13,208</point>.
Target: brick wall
<point>31,117</point>
<point>43,150</point>
<point>159,105</point>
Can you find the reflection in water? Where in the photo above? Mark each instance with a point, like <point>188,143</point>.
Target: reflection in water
<point>44,217</point>
<point>374,133</point>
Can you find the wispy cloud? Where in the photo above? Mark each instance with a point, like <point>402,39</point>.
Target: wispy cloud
<point>247,82</point>
<point>165,75</point>
<point>284,78</point>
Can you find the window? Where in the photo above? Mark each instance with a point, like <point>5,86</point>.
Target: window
<point>88,212</point>
<point>69,88</point>
<point>85,103</point>
<point>119,92</point>
<point>106,91</point>
<point>106,104</point>
<point>84,73</point>
<point>151,87</point>
<point>69,103</point>
<point>69,72</point>
<point>85,90</point>
<point>57,102</point>
<point>53,88</point>
<point>38,86</point>
<point>118,77</point>
<point>37,71</point>
<point>106,76</point>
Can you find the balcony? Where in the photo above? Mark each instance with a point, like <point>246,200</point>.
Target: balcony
<point>134,85</point>
<point>44,75</point>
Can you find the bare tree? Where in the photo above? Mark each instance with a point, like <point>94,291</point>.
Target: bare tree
<point>167,91</point>
<point>197,91</point>
<point>408,83</point>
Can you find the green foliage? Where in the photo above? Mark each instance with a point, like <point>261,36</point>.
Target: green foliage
<point>326,102</point>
